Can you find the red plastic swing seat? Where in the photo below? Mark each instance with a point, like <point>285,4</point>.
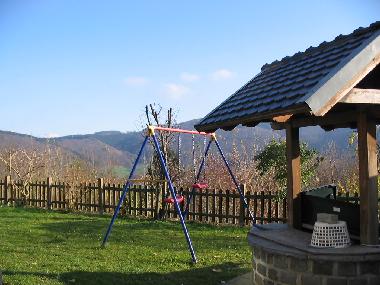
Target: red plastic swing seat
<point>201,185</point>
<point>170,200</point>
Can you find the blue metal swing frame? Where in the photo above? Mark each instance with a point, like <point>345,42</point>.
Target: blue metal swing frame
<point>182,215</point>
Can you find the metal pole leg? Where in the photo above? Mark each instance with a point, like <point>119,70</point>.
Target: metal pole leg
<point>236,183</point>
<point>172,191</point>
<point>186,212</point>
<point>124,193</point>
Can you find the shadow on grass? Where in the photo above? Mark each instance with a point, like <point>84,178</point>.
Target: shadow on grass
<point>92,225</point>
<point>205,275</point>
<point>145,232</point>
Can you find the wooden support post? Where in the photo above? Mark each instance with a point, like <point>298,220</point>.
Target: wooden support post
<point>242,209</point>
<point>7,189</point>
<point>369,223</point>
<point>48,193</point>
<point>293,176</point>
<point>101,195</point>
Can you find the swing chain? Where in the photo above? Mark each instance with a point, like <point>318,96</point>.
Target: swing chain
<point>193,150</point>
<point>179,153</point>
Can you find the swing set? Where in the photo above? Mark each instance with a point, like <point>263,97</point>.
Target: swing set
<point>197,183</point>
<point>175,198</point>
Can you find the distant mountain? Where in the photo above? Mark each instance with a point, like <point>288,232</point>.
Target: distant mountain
<point>96,151</point>
<point>86,147</point>
<point>11,139</point>
<point>128,142</point>
<point>315,137</point>
<point>121,149</point>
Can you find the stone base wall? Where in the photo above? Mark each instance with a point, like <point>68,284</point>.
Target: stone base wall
<point>276,269</point>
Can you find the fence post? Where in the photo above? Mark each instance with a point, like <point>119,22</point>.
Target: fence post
<point>48,190</point>
<point>7,183</point>
<point>242,209</point>
<point>165,208</point>
<point>159,202</point>
<point>101,195</point>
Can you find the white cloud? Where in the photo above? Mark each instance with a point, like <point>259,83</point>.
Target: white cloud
<point>135,81</point>
<point>175,91</point>
<point>221,74</point>
<point>189,77</point>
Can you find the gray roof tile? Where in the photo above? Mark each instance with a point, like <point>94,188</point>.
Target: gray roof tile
<point>283,84</point>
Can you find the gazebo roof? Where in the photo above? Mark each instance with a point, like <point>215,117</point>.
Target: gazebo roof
<point>309,82</point>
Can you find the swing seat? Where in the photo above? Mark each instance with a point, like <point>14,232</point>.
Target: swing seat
<point>201,185</point>
<point>170,200</point>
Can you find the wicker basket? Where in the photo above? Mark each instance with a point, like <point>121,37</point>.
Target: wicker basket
<point>330,235</point>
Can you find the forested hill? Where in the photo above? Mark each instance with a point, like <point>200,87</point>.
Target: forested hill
<point>121,148</point>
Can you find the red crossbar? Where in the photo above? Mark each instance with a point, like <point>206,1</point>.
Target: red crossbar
<point>181,131</point>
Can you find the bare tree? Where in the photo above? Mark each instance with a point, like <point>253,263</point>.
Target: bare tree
<point>29,164</point>
<point>24,165</point>
<point>153,113</point>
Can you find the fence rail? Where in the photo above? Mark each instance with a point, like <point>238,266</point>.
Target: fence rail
<point>209,205</point>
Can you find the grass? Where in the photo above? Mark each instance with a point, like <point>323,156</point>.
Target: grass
<point>45,247</point>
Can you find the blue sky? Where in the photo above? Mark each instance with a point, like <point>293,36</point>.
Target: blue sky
<point>76,66</point>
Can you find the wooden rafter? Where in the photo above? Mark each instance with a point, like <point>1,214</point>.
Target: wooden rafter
<point>342,118</point>
<point>334,120</point>
<point>362,96</point>
<point>282,119</point>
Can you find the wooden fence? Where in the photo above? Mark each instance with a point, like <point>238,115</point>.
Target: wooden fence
<point>209,205</point>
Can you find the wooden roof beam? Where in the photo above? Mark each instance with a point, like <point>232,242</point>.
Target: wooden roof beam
<point>362,96</point>
<point>282,118</point>
<point>340,118</point>
<point>345,119</point>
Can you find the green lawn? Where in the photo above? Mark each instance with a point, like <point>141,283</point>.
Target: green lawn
<point>41,247</point>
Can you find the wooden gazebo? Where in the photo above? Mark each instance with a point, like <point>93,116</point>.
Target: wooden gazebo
<point>334,85</point>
